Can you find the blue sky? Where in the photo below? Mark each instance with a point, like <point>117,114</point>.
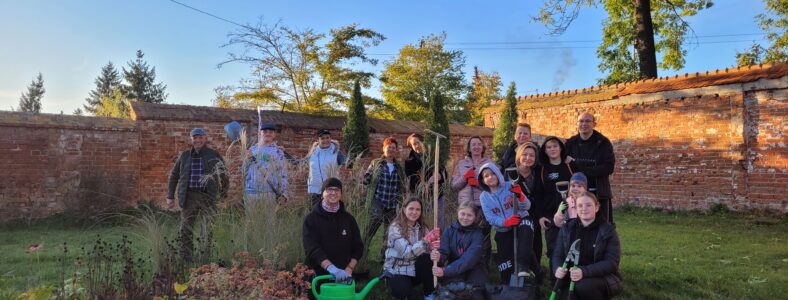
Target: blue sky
<point>69,41</point>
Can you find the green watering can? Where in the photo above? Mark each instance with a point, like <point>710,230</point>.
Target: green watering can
<point>340,291</point>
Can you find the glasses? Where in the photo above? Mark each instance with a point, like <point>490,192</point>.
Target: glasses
<point>333,190</point>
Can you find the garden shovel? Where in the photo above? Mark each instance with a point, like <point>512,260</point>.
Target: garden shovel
<point>574,257</point>
<point>514,280</point>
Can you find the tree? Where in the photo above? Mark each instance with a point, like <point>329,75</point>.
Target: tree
<point>113,105</point>
<point>140,82</point>
<point>436,121</point>
<point>356,131</point>
<point>507,123</point>
<point>420,70</point>
<point>106,82</point>
<point>632,35</point>
<point>78,112</point>
<point>30,101</point>
<point>293,72</point>
<point>775,24</point>
<point>486,87</point>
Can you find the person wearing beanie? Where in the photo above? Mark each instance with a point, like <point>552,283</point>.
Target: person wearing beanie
<point>324,159</point>
<point>578,186</point>
<point>330,234</point>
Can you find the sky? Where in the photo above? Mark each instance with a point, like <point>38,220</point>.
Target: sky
<point>69,41</point>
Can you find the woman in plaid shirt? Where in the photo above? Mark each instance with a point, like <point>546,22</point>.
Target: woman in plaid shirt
<point>407,251</point>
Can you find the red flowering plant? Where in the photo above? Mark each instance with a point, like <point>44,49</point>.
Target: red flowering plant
<point>249,278</point>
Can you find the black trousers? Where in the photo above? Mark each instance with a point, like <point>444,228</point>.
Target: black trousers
<point>550,238</point>
<point>378,216</point>
<point>605,210</point>
<point>588,288</point>
<point>197,207</point>
<point>401,285</point>
<point>538,251</point>
<point>525,255</point>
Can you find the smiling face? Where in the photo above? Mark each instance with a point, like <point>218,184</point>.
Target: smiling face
<point>332,195</point>
<point>528,159</point>
<point>553,149</point>
<point>522,134</point>
<point>390,150</point>
<point>466,216</point>
<point>586,123</point>
<point>416,144</point>
<point>268,135</point>
<point>413,211</point>
<point>324,140</point>
<point>477,147</point>
<point>198,141</point>
<point>489,177</point>
<point>577,189</point>
<point>586,208</point>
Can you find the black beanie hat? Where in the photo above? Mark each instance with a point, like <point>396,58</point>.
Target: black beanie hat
<point>332,182</point>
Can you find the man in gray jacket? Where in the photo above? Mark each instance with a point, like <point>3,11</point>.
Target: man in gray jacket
<point>200,178</point>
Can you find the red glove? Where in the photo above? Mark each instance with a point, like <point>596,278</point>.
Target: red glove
<point>469,176</point>
<point>512,221</point>
<point>433,235</point>
<point>518,192</point>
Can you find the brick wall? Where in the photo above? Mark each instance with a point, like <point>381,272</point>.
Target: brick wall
<point>686,142</point>
<point>54,163</point>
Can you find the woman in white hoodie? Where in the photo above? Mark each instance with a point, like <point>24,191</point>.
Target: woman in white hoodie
<point>324,159</point>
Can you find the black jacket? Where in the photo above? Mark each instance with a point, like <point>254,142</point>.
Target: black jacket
<point>596,160</point>
<point>332,236</point>
<point>216,186</point>
<point>607,253</point>
<point>507,160</point>
<point>413,168</point>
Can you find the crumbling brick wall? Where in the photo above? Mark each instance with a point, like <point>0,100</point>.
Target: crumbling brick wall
<point>687,142</point>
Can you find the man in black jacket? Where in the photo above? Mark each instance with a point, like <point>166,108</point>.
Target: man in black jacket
<point>332,240</point>
<point>593,153</point>
<point>521,136</point>
<point>200,178</point>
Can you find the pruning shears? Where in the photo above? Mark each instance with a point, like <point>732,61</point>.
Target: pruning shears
<point>573,256</point>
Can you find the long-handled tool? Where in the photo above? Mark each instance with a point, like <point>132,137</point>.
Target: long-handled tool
<point>515,280</point>
<point>572,256</point>
<point>435,171</point>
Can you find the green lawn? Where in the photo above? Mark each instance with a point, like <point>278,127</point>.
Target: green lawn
<point>665,255</point>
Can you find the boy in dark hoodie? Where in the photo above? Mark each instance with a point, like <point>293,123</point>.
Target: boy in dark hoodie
<point>498,201</point>
<point>553,169</point>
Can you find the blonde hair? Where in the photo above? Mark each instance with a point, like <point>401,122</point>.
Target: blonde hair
<point>520,151</point>
<point>468,204</point>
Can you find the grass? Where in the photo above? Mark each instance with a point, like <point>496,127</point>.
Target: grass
<point>681,255</point>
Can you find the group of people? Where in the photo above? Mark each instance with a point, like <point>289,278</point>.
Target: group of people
<point>553,195</point>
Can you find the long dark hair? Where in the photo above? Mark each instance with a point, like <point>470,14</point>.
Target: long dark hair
<point>402,221</point>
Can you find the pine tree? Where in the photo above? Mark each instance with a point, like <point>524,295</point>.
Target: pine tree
<point>106,82</point>
<point>437,121</point>
<point>507,122</point>
<point>356,131</point>
<point>140,80</point>
<point>31,100</point>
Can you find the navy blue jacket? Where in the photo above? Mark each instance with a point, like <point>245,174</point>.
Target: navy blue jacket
<point>457,237</point>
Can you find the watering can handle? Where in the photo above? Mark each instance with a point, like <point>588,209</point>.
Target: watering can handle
<point>318,278</point>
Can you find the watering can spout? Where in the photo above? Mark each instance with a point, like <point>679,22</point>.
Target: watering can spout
<point>367,288</point>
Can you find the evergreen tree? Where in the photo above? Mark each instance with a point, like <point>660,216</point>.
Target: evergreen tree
<point>507,122</point>
<point>31,100</point>
<point>356,131</point>
<point>78,112</point>
<point>140,82</point>
<point>106,82</point>
<point>437,121</point>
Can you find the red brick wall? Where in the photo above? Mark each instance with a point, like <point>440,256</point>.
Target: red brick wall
<point>687,149</point>
<point>78,165</point>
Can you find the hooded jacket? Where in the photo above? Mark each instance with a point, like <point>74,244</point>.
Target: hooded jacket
<point>607,254</point>
<point>498,205</point>
<point>461,250</point>
<point>595,157</point>
<point>459,183</point>
<point>332,236</point>
<point>548,174</point>
<point>323,164</point>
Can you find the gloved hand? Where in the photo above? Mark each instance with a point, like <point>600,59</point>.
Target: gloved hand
<point>339,274</point>
<point>512,221</point>
<point>436,244</point>
<point>433,235</point>
<point>518,192</point>
<point>470,176</point>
